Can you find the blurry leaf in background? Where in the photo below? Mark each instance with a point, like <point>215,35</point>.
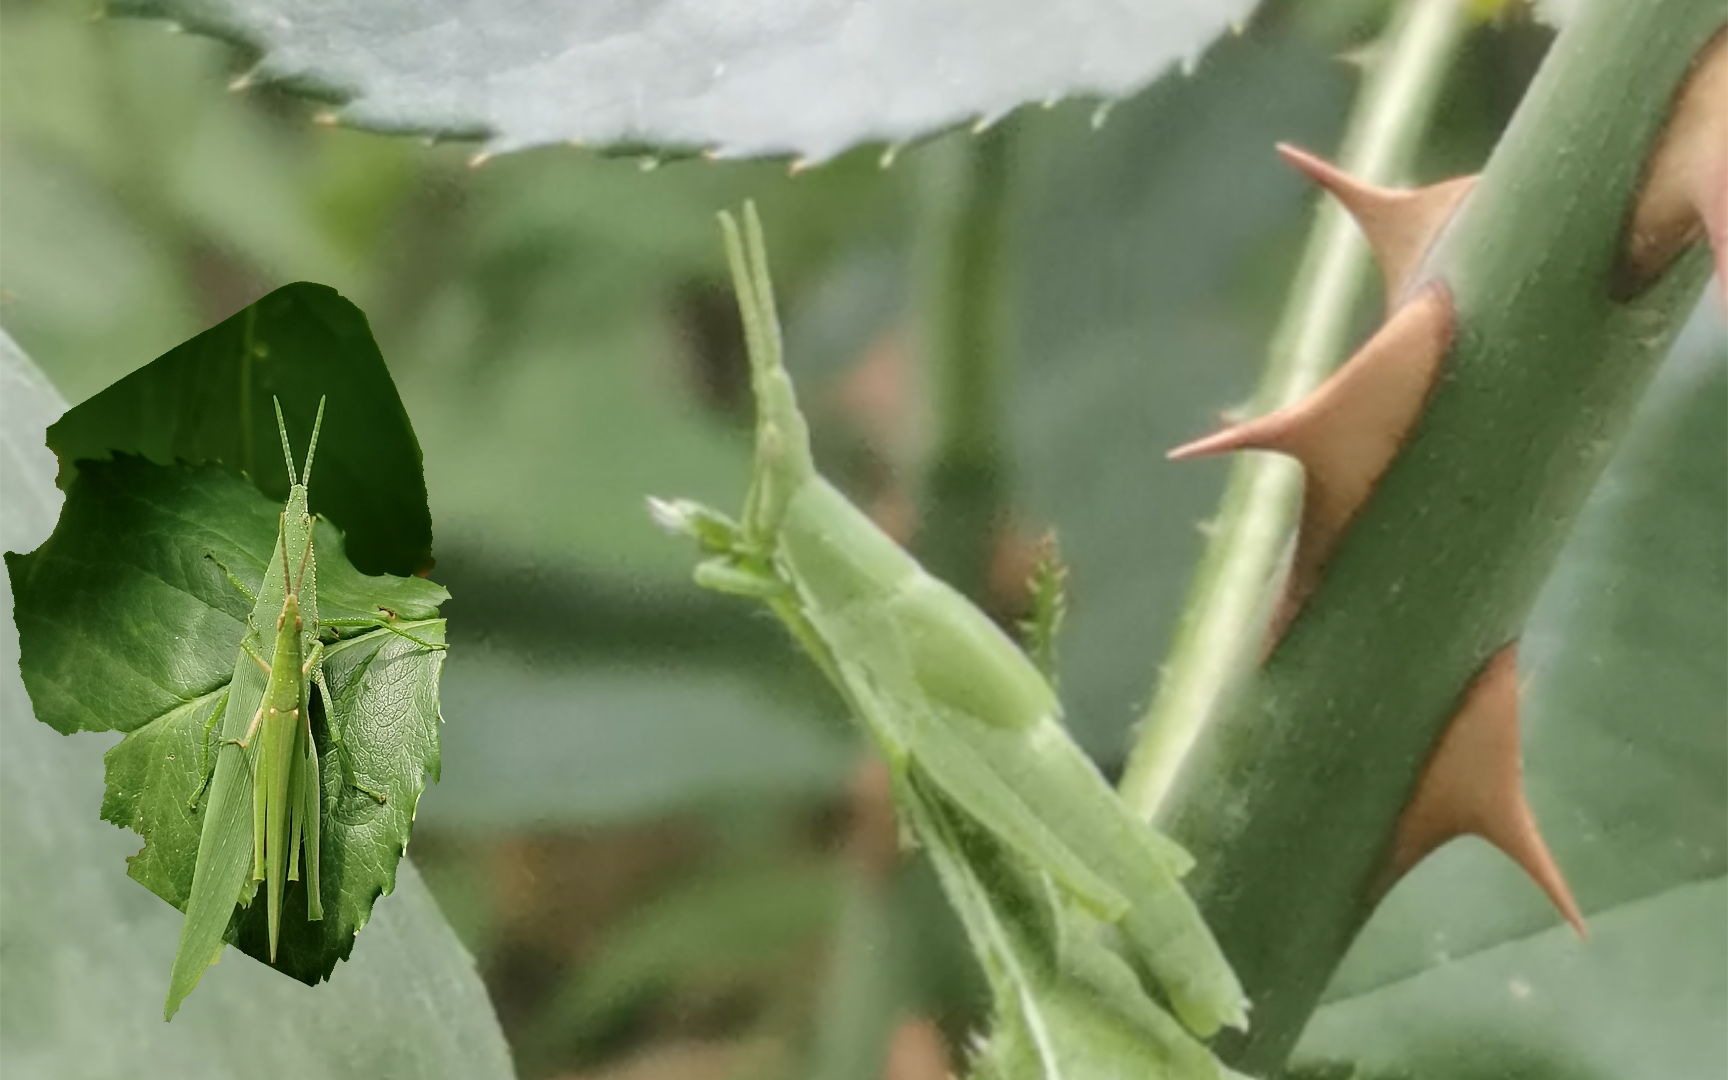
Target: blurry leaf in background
<point>87,951</point>
<point>213,399</point>
<point>719,930</point>
<point>602,743</point>
<point>554,369</point>
<point>1464,971</point>
<point>688,75</point>
<point>864,987</point>
<point>1555,12</point>
<point>1143,309</point>
<point>143,204</point>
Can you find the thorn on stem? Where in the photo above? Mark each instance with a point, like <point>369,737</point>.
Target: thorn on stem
<point>1346,433</point>
<point>1473,785</point>
<point>1400,224</point>
<point>1685,192</point>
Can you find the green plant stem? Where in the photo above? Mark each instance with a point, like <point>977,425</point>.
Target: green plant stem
<point>1223,627</point>
<point>964,489</point>
<point>1290,799</point>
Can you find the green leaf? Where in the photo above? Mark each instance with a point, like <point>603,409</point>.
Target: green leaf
<point>130,619</point>
<point>794,77</point>
<point>80,942</point>
<point>1464,972</point>
<point>209,400</point>
<point>125,614</point>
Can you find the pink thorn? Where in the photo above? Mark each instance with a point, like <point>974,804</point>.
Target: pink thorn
<point>1240,437</point>
<point>1320,171</point>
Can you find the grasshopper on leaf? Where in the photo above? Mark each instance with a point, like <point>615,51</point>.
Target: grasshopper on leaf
<point>286,794</point>
<point>283,768</point>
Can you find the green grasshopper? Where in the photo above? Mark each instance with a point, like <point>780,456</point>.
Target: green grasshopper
<point>287,802</point>
<point>949,700</point>
<point>287,797</point>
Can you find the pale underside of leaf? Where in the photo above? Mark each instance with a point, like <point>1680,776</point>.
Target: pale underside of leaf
<point>796,78</point>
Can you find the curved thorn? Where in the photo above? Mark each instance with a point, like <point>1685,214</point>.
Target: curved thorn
<point>1399,223</point>
<point>1346,433</point>
<point>1685,190</point>
<point>1473,785</point>
<point>1251,435</point>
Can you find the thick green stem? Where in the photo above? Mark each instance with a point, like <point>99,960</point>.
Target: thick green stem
<point>962,509</point>
<point>1223,628</point>
<point>1291,797</point>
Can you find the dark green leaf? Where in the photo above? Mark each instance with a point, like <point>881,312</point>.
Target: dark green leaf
<point>794,77</point>
<point>344,593</point>
<point>125,615</point>
<point>209,400</point>
<point>80,942</point>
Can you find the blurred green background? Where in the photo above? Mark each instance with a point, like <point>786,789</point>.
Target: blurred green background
<point>650,829</point>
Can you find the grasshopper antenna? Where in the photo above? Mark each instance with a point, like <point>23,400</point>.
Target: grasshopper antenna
<point>306,473</point>
<point>287,454</point>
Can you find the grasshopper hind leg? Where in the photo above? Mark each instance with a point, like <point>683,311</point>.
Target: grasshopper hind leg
<point>296,820</point>
<point>310,812</point>
<point>338,625</point>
